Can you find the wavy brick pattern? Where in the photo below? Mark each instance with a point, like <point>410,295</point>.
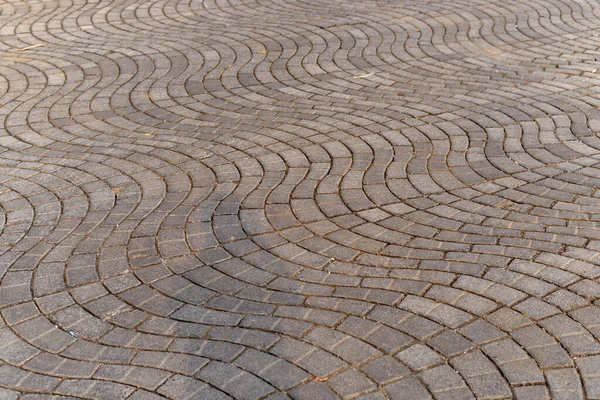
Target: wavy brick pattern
<point>299,199</point>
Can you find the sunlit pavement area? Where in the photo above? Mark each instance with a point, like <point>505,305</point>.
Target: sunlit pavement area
<point>299,199</point>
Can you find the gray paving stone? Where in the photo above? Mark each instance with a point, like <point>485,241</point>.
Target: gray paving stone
<point>384,370</point>
<point>148,378</point>
<point>450,343</point>
<point>281,374</point>
<point>94,389</point>
<point>481,332</point>
<point>564,384</point>
<point>482,376</point>
<point>532,392</point>
<point>312,390</point>
<point>351,383</point>
<point>9,394</point>
<point>319,362</point>
<point>419,357</point>
<point>181,387</point>
<point>409,388</point>
<point>362,200</point>
<point>234,381</point>
<point>444,379</point>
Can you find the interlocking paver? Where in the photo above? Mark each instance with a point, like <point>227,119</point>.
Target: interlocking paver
<point>290,199</point>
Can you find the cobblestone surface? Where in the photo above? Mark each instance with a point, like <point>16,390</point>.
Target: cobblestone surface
<point>299,199</point>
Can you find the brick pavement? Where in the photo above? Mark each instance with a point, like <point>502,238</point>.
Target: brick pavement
<point>299,199</point>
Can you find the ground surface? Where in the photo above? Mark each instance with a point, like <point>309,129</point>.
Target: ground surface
<point>299,199</point>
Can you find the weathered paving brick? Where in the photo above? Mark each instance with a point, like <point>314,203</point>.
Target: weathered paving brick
<point>313,390</point>
<point>384,370</point>
<point>573,336</point>
<point>444,382</point>
<point>148,378</point>
<point>514,362</point>
<point>93,388</point>
<point>564,383</point>
<point>409,387</point>
<point>234,381</point>
<point>382,202</point>
<point>351,383</point>
<point>419,357</point>
<point>450,343</point>
<point>482,375</point>
<point>182,387</point>
<point>312,359</point>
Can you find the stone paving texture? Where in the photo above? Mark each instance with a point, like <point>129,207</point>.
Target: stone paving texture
<point>299,199</point>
